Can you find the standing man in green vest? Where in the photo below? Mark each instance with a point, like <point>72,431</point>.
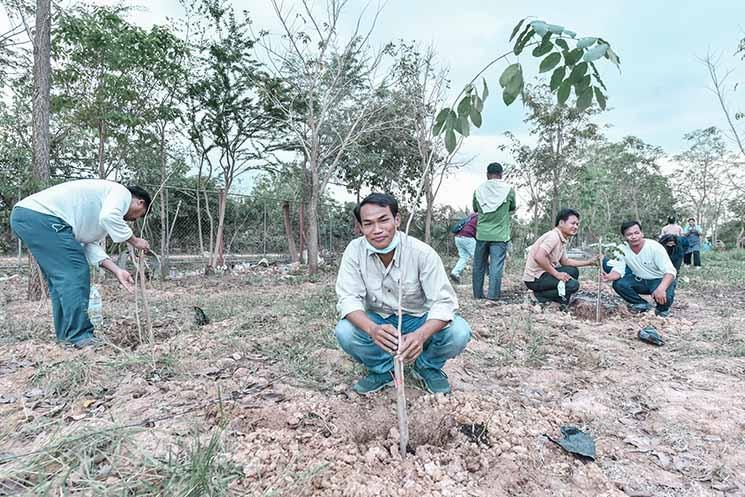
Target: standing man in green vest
<point>494,200</point>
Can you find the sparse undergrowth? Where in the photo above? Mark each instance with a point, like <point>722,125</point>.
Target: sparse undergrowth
<point>257,401</point>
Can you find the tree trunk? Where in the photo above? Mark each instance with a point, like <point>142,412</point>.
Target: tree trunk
<point>42,70</point>
<point>212,228</point>
<point>101,139</point>
<point>312,230</point>
<point>302,226</point>
<point>164,249</point>
<point>40,117</point>
<point>428,212</point>
<point>294,257</point>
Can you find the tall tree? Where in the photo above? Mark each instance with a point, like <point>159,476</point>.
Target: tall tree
<point>335,86</point>
<point>701,174</point>
<point>232,124</point>
<point>561,134</point>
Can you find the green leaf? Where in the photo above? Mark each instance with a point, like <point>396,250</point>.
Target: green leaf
<point>596,73</point>
<point>485,92</point>
<point>582,83</point>
<point>573,56</point>
<point>564,90</point>
<point>540,27</point>
<point>464,106</point>
<point>596,52</point>
<point>578,72</point>
<point>509,73</point>
<point>477,103</point>
<point>523,40</point>
<point>440,121</point>
<point>463,126</point>
<point>550,62</point>
<point>545,47</point>
<point>509,96</point>
<point>611,55</point>
<point>450,140</point>
<point>517,28</point>
<point>584,100</point>
<point>586,42</point>
<point>563,44</point>
<point>557,77</point>
<point>476,117</point>
<point>600,98</point>
<point>515,85</point>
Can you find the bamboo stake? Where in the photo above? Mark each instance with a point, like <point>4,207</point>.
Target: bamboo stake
<point>600,280</point>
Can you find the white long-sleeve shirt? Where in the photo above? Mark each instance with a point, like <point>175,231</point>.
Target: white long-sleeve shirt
<point>651,263</point>
<point>93,208</point>
<point>364,284</point>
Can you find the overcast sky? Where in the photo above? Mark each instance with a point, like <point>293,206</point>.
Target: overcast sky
<point>659,95</point>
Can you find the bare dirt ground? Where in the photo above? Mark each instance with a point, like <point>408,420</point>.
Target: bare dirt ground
<point>258,402</point>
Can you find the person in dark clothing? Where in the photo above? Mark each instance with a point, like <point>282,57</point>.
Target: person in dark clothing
<point>676,247</point>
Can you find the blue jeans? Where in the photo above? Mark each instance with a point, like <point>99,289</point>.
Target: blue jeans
<point>64,266</point>
<point>491,254</point>
<point>443,345</point>
<point>466,246</point>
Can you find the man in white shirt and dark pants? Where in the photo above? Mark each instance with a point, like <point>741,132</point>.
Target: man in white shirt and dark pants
<point>644,269</point>
<point>372,269</point>
<point>62,227</point>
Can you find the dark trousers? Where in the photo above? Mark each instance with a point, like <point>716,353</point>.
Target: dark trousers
<point>545,287</point>
<point>62,261</point>
<point>696,258</point>
<point>489,255</point>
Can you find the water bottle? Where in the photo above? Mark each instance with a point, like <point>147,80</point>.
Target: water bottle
<point>95,307</point>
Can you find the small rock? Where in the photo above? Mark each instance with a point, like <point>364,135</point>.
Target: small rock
<point>237,356</point>
<point>433,470</point>
<point>340,388</point>
<point>294,419</point>
<point>375,454</point>
<point>34,393</point>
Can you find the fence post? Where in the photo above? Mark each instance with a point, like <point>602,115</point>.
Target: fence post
<point>331,231</point>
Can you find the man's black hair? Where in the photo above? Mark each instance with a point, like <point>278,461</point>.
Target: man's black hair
<point>565,214</point>
<point>628,224</point>
<point>671,220</point>
<point>381,199</point>
<point>494,169</point>
<point>141,194</point>
<point>692,218</point>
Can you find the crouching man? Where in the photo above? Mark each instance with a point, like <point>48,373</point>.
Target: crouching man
<point>547,265</point>
<point>367,287</point>
<point>644,268</point>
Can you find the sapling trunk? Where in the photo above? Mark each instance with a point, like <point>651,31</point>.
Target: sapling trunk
<point>600,280</point>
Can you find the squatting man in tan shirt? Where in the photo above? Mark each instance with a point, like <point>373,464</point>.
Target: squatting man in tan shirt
<point>367,287</point>
<point>547,267</point>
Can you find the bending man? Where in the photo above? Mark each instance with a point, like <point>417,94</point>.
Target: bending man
<point>62,227</point>
<point>367,287</point>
